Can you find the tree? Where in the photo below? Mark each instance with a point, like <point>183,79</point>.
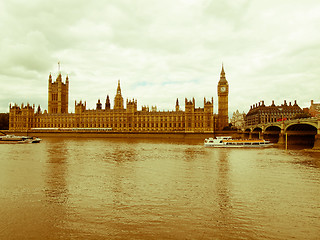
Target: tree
<point>4,121</point>
<point>302,115</point>
<point>230,127</point>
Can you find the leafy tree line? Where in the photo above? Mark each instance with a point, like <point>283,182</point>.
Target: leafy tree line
<point>302,115</point>
<point>4,121</point>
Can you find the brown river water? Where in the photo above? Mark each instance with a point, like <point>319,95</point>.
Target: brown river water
<point>69,188</point>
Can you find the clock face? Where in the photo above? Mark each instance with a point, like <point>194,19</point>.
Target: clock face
<point>223,89</point>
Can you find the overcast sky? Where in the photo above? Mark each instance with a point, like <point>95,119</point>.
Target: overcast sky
<point>161,50</point>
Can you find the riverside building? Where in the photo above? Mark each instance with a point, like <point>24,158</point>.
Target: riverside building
<point>314,109</point>
<point>119,118</point>
<point>260,113</point>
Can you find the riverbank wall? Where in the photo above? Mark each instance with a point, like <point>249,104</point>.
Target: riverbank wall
<point>98,134</point>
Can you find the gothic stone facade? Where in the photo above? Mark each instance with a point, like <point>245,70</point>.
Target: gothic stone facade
<point>119,119</point>
<point>238,120</point>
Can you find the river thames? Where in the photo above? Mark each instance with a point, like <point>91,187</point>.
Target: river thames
<point>70,188</point>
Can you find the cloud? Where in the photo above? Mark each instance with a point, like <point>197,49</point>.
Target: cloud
<point>161,50</point>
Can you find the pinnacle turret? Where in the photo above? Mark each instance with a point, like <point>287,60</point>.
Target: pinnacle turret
<point>119,88</point>
<point>118,100</point>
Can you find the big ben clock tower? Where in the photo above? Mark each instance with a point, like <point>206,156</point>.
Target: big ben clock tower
<point>223,91</point>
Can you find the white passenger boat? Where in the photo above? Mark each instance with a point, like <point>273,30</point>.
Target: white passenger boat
<point>229,142</point>
<point>18,139</point>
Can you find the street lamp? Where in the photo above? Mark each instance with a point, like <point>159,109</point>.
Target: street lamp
<point>281,111</point>
<point>282,127</point>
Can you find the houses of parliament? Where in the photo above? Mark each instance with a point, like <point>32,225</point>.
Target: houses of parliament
<point>120,118</point>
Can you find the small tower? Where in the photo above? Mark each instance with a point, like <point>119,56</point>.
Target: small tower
<point>107,105</point>
<point>132,106</point>
<point>223,92</point>
<point>99,105</point>
<point>118,99</point>
<point>208,106</point>
<point>177,105</point>
<point>208,120</point>
<point>39,110</point>
<point>80,107</point>
<point>189,115</point>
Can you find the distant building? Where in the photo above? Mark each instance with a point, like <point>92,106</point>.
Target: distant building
<point>314,109</point>
<point>120,119</point>
<point>238,120</point>
<point>260,113</point>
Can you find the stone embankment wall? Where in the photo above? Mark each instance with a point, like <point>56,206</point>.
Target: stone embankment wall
<point>125,135</point>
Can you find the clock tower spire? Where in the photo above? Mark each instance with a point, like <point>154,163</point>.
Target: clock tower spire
<point>223,92</point>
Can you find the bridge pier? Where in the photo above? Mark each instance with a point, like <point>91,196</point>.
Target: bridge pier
<point>282,135</point>
<point>261,135</point>
<point>316,145</point>
<point>243,135</point>
<point>282,139</point>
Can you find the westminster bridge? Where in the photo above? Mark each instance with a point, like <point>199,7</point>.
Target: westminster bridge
<point>297,131</point>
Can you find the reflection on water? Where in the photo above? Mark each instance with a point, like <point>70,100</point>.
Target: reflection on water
<point>56,173</point>
<point>223,185</point>
<point>156,189</point>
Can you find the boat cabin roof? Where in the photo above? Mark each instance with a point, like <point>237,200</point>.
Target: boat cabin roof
<point>225,137</point>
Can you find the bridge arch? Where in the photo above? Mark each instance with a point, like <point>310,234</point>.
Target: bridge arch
<point>256,132</point>
<point>273,129</point>
<point>303,126</point>
<point>257,129</point>
<point>272,132</point>
<point>247,133</point>
<point>301,133</point>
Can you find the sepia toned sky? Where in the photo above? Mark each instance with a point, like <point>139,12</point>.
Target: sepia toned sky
<point>161,50</point>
